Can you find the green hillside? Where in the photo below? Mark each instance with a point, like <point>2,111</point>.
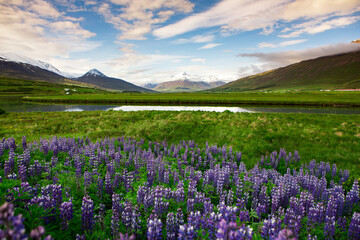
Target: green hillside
<point>329,72</point>
<point>11,86</point>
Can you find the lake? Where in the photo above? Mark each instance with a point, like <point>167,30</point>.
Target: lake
<point>14,104</point>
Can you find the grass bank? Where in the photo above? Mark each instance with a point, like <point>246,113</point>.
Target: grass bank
<point>14,86</point>
<point>333,138</point>
<point>270,98</point>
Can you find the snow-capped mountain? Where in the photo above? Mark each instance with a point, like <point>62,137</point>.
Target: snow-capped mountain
<point>185,82</point>
<point>95,72</point>
<point>13,57</point>
<point>97,78</point>
<point>17,58</point>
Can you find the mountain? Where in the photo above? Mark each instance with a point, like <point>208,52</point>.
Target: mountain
<point>184,82</point>
<point>21,70</point>
<point>339,71</point>
<point>21,67</point>
<point>186,86</point>
<point>150,85</point>
<point>97,78</point>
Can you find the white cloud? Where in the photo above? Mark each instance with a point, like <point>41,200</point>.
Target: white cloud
<point>282,44</point>
<point>315,8</point>
<point>196,39</point>
<point>283,58</point>
<point>199,60</point>
<point>38,30</point>
<point>319,25</point>
<point>247,15</point>
<point>136,18</point>
<point>210,45</point>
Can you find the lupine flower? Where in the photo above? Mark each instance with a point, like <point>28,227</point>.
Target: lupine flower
<point>171,226</point>
<point>285,234</point>
<point>271,227</point>
<point>14,227</point>
<point>66,213</point>
<point>154,231</point>
<point>354,228</point>
<point>87,214</point>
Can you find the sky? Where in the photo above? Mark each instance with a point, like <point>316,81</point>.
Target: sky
<point>151,41</point>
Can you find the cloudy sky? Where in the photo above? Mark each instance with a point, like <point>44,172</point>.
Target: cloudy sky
<point>145,41</point>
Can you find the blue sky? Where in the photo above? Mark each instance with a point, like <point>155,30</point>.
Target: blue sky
<point>145,41</point>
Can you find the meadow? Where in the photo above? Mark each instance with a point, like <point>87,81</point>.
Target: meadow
<point>268,98</point>
<point>324,137</point>
<point>179,175</point>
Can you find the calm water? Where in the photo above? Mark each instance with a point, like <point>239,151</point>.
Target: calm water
<point>14,104</point>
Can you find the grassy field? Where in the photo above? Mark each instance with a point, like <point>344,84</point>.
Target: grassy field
<point>11,86</point>
<point>333,138</point>
<point>278,98</point>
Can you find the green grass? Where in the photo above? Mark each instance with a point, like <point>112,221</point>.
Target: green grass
<point>333,138</point>
<point>11,86</point>
<point>279,98</point>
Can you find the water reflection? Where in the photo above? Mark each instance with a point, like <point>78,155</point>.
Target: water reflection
<point>179,108</point>
<point>14,104</point>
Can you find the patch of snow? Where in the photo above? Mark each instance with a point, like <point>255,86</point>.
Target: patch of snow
<point>95,72</point>
<point>13,57</point>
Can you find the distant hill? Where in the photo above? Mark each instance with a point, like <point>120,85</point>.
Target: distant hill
<point>95,77</point>
<point>186,86</point>
<point>183,82</point>
<point>150,85</point>
<point>328,72</point>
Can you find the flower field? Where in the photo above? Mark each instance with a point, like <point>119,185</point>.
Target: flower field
<point>120,188</point>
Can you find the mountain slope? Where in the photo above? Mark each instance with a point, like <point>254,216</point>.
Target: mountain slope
<point>13,57</point>
<point>29,72</point>
<point>328,72</point>
<point>95,77</point>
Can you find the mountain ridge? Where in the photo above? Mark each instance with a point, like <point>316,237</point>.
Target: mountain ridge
<point>17,66</point>
<point>326,72</point>
<point>183,83</point>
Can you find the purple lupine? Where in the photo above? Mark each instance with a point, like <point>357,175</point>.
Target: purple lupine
<point>127,214</point>
<point>154,229</point>
<point>271,227</point>
<point>87,178</point>
<point>179,217</point>
<point>38,233</point>
<point>100,187</point>
<point>352,197</point>
<point>126,237</point>
<point>232,231</point>
<point>66,213</point>
<point>87,214</point>
<point>116,214</point>
<point>354,227</point>
<point>329,229</point>
<point>22,173</point>
<point>186,232</point>
<point>108,184</point>
<point>244,216</point>
<point>13,225</point>
<point>57,195</point>
<point>285,234</point>
<point>171,226</point>
<point>136,219</point>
